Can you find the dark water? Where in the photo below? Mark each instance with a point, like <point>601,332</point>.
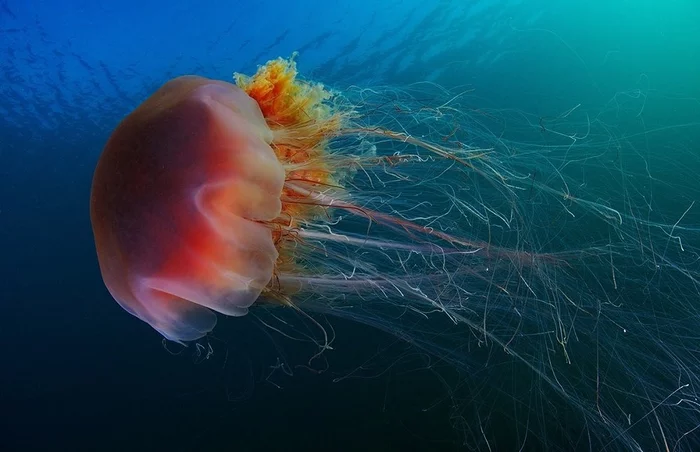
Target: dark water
<point>80,374</point>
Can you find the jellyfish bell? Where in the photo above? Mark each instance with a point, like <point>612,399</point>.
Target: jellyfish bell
<point>179,198</point>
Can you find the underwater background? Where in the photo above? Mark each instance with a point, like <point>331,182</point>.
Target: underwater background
<point>78,373</point>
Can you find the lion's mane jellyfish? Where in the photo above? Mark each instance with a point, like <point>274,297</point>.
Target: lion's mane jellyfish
<point>489,238</point>
<point>211,194</point>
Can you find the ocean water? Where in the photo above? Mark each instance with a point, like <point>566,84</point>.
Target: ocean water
<point>590,109</point>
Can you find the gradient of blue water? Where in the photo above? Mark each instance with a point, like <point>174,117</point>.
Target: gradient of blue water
<point>69,70</point>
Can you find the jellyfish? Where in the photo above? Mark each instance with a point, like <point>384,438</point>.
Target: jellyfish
<point>205,193</point>
<point>213,198</point>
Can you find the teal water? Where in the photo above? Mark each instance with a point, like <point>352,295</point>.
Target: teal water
<point>601,95</point>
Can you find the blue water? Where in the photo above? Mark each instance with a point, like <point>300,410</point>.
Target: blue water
<point>80,374</point>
